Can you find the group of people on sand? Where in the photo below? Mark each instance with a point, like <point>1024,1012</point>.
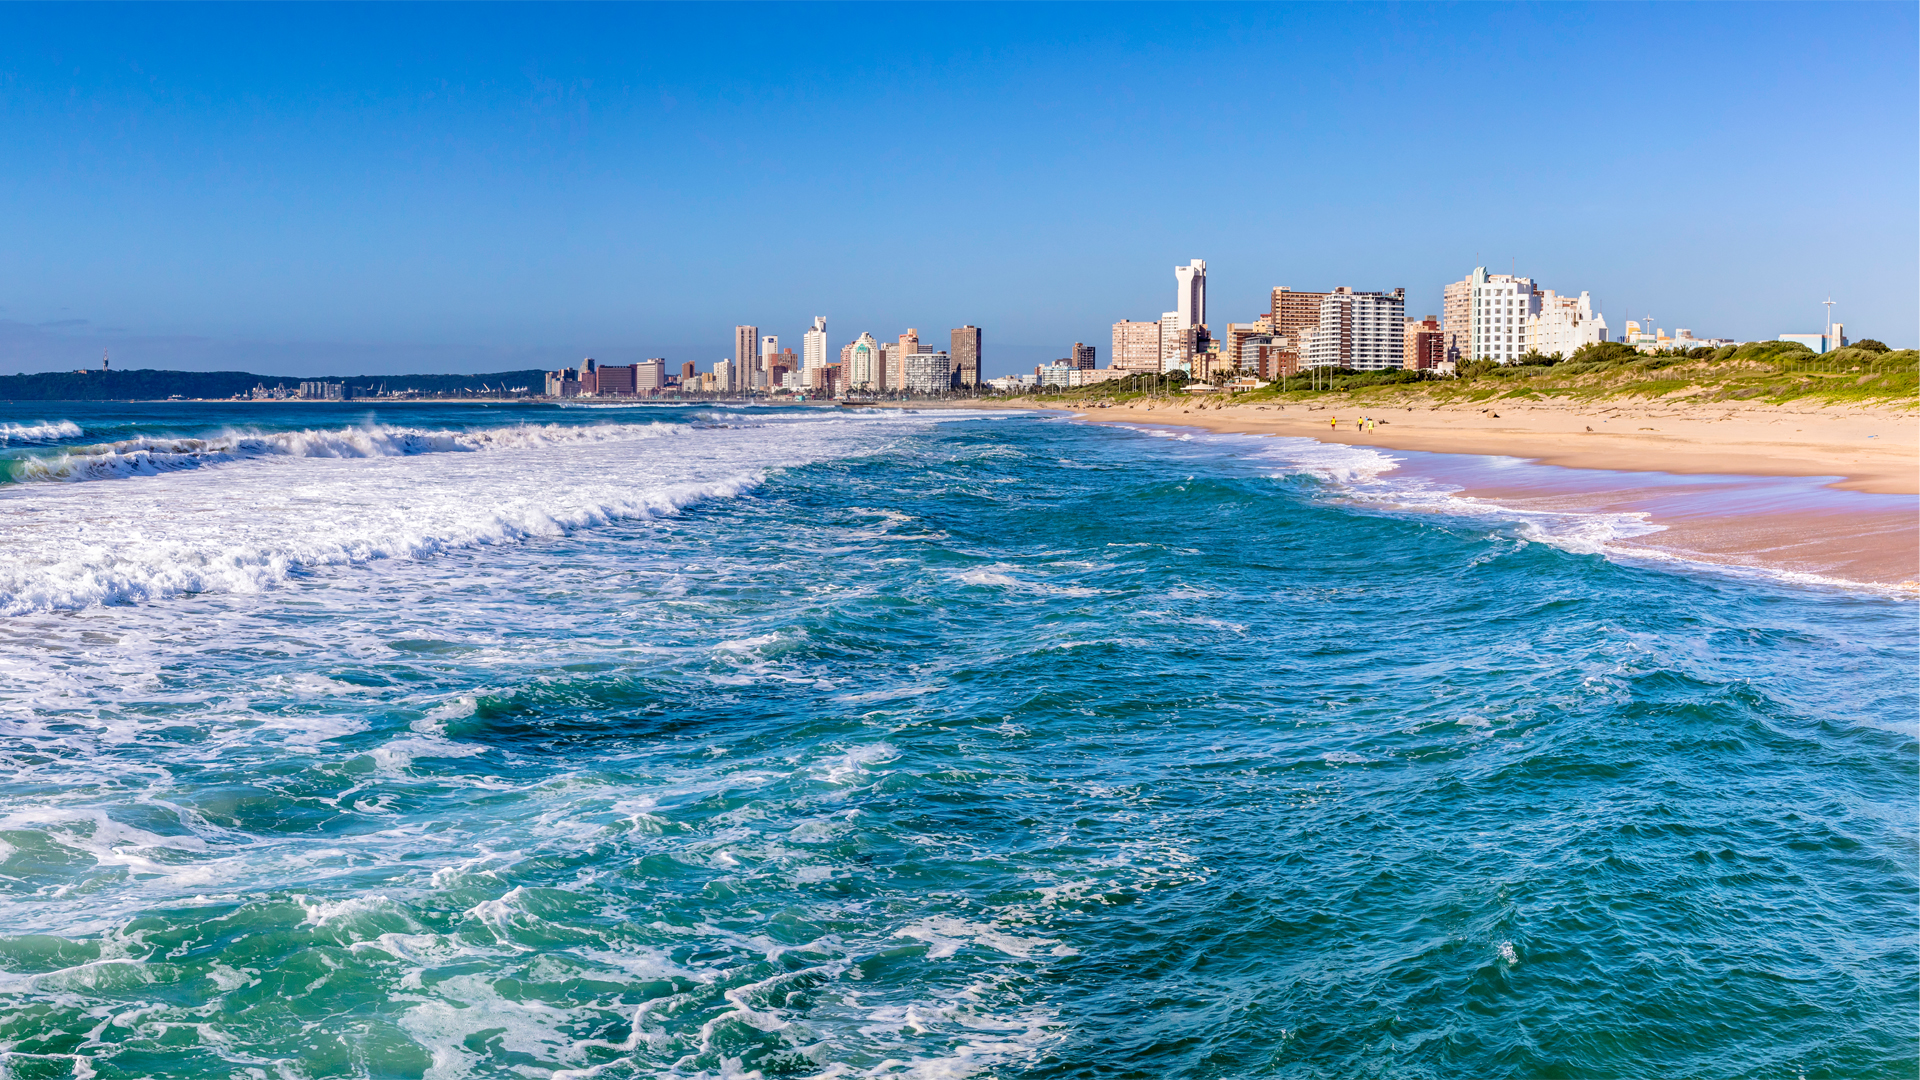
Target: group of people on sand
<point>1365,423</point>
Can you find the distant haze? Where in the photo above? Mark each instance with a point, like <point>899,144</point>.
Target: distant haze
<point>292,189</point>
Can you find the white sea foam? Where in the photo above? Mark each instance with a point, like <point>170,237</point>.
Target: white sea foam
<point>151,456</point>
<point>1364,477</point>
<point>137,568</point>
<point>44,432</point>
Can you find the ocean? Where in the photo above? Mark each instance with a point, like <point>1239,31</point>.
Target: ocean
<point>403,740</point>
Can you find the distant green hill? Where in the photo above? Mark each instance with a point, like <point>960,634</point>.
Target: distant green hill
<point>148,384</point>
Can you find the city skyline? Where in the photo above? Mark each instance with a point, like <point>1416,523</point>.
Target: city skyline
<point>399,193</point>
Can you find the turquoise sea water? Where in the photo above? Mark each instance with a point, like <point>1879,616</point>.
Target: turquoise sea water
<point>701,742</point>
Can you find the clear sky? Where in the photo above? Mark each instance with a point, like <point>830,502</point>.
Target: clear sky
<point>382,188</point>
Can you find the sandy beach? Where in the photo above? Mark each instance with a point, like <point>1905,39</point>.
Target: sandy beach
<point>1829,492</point>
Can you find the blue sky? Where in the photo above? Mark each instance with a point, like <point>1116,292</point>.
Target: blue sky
<point>382,188</point>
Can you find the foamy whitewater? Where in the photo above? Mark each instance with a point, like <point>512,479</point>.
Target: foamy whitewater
<point>448,741</point>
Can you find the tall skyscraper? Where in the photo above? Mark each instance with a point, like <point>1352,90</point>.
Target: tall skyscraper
<point>966,355</point>
<point>865,370</point>
<point>746,356</point>
<point>813,344</point>
<point>1084,357</point>
<point>769,348</point>
<point>1191,298</point>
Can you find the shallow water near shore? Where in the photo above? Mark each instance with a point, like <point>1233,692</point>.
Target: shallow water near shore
<point>350,740</point>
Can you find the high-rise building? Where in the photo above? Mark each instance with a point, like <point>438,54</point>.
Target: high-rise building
<point>723,375</point>
<point>1364,331</point>
<point>650,376</point>
<point>1423,345</point>
<point>865,367</point>
<point>1562,324</point>
<point>966,355</point>
<point>1239,334</point>
<point>769,348</point>
<point>622,379</point>
<point>1176,344</point>
<point>1136,345</point>
<point>746,357</point>
<point>1456,320</point>
<point>688,372</point>
<point>909,345</point>
<point>1500,306</point>
<point>1084,357</point>
<point>1191,298</point>
<point>813,343</point>
<point>1293,315</point>
<point>927,372</point>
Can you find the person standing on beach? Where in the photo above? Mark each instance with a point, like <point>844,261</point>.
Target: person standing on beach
<point>1333,422</point>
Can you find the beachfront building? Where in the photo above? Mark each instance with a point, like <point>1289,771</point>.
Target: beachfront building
<point>926,372</point>
<point>746,357</point>
<point>1176,344</point>
<point>1091,376</point>
<point>1136,345</point>
<point>965,342</point>
<point>1456,320</point>
<point>1502,304</point>
<point>1293,315</point>
<point>723,376</point>
<point>1363,331</point>
<point>865,368</point>
<point>1423,345</point>
<point>1561,324</point>
<point>813,344</point>
<point>1055,376</point>
<point>1083,357</point>
<point>1190,302</point>
<point>1501,317</point>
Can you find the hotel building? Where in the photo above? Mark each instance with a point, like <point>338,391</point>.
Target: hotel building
<point>813,344</point>
<point>1359,330</point>
<point>866,369</point>
<point>926,372</point>
<point>1136,345</point>
<point>746,357</point>
<point>966,355</point>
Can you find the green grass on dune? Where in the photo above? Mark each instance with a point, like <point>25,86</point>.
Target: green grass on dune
<point>1760,372</point>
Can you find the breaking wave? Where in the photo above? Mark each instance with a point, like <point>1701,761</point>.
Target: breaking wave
<point>44,432</point>
<point>152,456</point>
<point>129,572</point>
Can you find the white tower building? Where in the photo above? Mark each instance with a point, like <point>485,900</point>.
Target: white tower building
<point>1191,303</point>
<point>813,344</point>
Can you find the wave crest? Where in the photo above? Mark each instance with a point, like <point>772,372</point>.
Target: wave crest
<point>44,432</point>
<point>151,456</point>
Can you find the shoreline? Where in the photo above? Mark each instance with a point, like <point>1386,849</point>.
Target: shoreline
<point>1866,448</point>
<point>1801,491</point>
